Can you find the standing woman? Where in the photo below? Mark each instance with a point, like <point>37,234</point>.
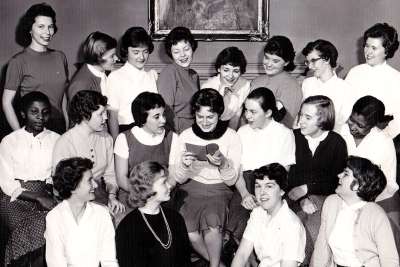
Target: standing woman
<point>365,139</point>
<point>320,156</point>
<point>149,139</point>
<point>25,170</point>
<point>278,62</point>
<point>376,77</point>
<point>37,67</point>
<point>151,235</point>
<point>207,161</point>
<point>78,231</point>
<point>230,65</point>
<point>87,138</point>
<point>178,82</point>
<point>99,56</point>
<point>126,83</point>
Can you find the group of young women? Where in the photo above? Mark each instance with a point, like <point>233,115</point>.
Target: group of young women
<point>212,153</point>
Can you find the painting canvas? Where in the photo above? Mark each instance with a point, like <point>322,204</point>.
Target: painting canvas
<point>211,19</point>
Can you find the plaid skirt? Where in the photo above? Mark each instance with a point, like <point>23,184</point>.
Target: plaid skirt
<point>22,224</point>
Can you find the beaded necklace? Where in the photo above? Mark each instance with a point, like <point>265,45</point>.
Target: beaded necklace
<point>169,242</point>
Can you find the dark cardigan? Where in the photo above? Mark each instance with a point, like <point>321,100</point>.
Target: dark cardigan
<point>320,171</point>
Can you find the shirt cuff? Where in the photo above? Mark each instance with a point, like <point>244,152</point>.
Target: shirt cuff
<point>16,193</point>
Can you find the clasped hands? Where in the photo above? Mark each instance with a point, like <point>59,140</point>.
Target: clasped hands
<point>306,204</point>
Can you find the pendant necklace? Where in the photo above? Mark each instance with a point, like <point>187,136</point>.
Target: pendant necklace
<point>169,242</point>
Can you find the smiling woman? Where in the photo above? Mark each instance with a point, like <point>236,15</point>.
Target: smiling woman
<point>89,139</point>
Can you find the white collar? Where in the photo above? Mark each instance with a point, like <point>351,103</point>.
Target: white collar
<point>96,72</point>
<point>318,139</point>
<point>146,138</point>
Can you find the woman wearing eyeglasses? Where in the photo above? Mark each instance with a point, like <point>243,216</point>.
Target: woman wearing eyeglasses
<point>321,57</point>
<point>278,62</point>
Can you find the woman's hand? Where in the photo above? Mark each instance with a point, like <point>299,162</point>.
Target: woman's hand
<point>298,192</point>
<point>188,158</point>
<point>218,159</point>
<point>114,205</point>
<point>249,202</point>
<point>308,206</point>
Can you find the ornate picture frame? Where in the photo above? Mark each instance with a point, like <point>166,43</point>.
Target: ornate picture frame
<point>211,20</point>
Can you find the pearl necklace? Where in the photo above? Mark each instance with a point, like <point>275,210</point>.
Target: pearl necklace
<point>169,242</point>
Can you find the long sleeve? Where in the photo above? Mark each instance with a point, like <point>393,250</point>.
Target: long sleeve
<point>167,88</point>
<point>109,172</point>
<point>130,251</point>
<point>229,175</point>
<point>107,244</point>
<point>55,256</point>
<point>8,184</point>
<point>322,254</point>
<point>184,246</point>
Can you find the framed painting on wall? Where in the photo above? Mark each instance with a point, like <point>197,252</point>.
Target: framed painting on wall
<point>211,19</point>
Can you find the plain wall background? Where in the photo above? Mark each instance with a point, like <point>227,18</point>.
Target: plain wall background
<point>341,21</point>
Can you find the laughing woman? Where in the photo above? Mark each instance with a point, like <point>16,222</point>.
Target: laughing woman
<point>207,159</point>
<point>88,139</point>
<point>37,67</point>
<point>230,65</point>
<point>178,82</point>
<point>25,167</point>
<point>78,231</point>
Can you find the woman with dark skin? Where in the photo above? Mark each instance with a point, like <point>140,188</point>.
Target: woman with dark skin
<point>25,167</point>
<point>37,67</point>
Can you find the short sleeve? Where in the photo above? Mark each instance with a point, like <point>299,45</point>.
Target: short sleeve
<point>14,75</point>
<point>252,229</point>
<point>121,147</point>
<point>112,91</point>
<point>294,242</point>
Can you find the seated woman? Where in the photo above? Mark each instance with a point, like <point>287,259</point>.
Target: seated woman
<point>364,138</point>
<point>25,167</point>
<point>178,82</point>
<point>320,156</point>
<point>151,235</point>
<point>78,231</point>
<point>321,58</point>
<point>278,61</point>
<point>264,141</point>
<point>230,65</point>
<point>206,163</point>
<point>147,140</point>
<point>126,83</point>
<point>87,138</point>
<point>99,56</point>
<point>273,230</point>
<point>354,230</point>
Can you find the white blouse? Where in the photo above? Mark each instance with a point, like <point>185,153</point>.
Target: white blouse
<point>87,243</point>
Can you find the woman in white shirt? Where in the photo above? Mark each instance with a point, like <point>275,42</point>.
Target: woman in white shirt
<point>376,77</point>
<point>25,174</point>
<point>78,231</point>
<point>230,65</point>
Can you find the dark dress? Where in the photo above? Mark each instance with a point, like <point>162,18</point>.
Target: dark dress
<point>137,246</point>
<point>320,173</point>
<point>138,153</point>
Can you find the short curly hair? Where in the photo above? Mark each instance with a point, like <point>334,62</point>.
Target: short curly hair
<point>141,180</point>
<point>95,46</point>
<point>207,97</point>
<point>274,171</point>
<point>388,34</point>
<point>370,178</point>
<point>231,56</point>
<point>24,27</point>
<point>282,47</point>
<point>176,35</point>
<point>143,103</point>
<point>69,173</point>
<point>83,104</point>
<point>134,37</point>
<point>326,50</point>
<point>29,98</point>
